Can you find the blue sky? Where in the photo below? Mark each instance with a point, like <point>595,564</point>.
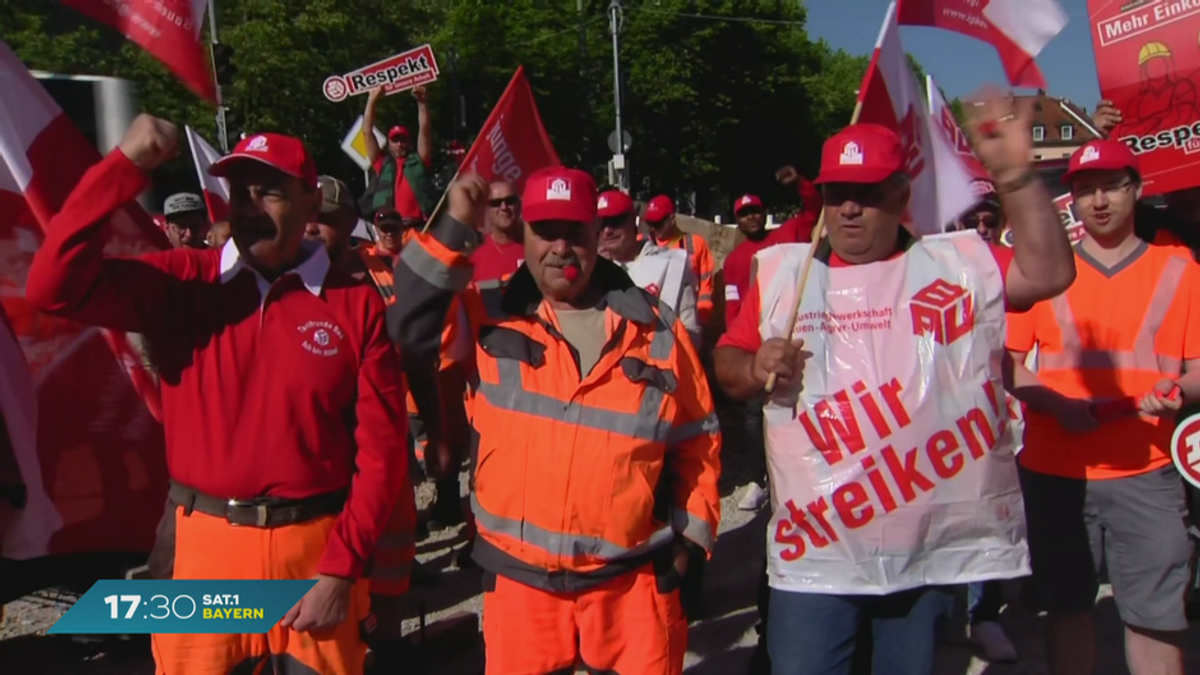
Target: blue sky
<point>959,64</point>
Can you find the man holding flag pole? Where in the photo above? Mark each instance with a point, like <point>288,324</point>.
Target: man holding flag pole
<point>892,478</point>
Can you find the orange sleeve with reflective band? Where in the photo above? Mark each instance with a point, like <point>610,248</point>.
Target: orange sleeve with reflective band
<point>704,269</point>
<point>693,461</point>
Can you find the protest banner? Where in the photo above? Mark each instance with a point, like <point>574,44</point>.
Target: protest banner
<point>216,190</point>
<point>168,29</point>
<point>404,71</point>
<point>1149,67</point>
<point>890,474</point>
<point>96,477</point>
<point>891,97</point>
<point>1018,29</point>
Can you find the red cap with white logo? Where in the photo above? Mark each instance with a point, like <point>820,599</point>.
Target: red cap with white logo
<point>659,208</point>
<point>613,203</point>
<point>559,193</point>
<point>283,153</point>
<point>1101,155</point>
<point>861,153</point>
<point>398,132</point>
<point>746,202</point>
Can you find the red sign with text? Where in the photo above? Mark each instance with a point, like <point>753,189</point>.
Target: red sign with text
<point>1148,60</point>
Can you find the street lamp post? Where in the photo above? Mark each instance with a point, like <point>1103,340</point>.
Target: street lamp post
<point>616,20</point>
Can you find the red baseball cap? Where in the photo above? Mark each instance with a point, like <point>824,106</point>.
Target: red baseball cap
<point>746,201</point>
<point>1101,155</point>
<point>284,153</point>
<point>659,208</point>
<point>559,193</point>
<point>613,203</point>
<point>861,153</point>
<point>399,131</point>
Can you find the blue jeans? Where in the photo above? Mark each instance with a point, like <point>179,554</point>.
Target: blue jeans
<point>985,599</point>
<point>814,634</point>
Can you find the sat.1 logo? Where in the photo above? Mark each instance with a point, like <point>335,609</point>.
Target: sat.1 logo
<point>1185,449</point>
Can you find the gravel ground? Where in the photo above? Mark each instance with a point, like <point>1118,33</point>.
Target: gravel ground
<point>720,645</point>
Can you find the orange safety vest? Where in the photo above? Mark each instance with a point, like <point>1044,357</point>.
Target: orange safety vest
<point>579,481</point>
<point>1112,334</point>
<point>703,267</point>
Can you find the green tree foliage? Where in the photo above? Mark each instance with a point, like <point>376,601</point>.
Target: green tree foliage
<point>717,94</point>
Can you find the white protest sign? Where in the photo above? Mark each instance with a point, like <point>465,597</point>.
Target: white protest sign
<point>404,71</point>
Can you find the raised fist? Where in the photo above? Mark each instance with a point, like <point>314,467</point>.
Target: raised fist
<point>420,93</point>
<point>1106,117</point>
<point>150,142</point>
<point>468,199</point>
<point>788,175</point>
<point>373,95</point>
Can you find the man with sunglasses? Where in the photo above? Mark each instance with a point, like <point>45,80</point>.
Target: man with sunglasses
<point>985,218</point>
<point>391,227</point>
<point>1103,493</point>
<point>854,389</point>
<point>187,220</point>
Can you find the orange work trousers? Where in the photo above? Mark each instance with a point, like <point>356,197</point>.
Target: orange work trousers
<point>621,626</point>
<point>211,548</point>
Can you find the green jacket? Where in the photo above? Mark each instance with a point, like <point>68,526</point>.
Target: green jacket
<point>382,191</point>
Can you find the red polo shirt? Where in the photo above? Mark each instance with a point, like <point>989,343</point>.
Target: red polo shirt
<point>796,230</point>
<point>288,389</point>
<point>496,262</point>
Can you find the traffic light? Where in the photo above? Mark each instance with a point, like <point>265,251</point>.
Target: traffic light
<point>222,55</point>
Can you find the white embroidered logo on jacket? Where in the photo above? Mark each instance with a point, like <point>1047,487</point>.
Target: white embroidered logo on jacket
<point>892,468</point>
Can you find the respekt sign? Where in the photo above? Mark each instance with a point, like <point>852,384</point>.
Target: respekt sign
<point>401,72</point>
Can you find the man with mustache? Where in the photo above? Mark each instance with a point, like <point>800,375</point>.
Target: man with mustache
<point>265,351</point>
<point>598,445</point>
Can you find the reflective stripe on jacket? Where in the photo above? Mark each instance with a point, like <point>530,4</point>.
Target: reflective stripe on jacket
<point>576,481</point>
<point>703,267</point>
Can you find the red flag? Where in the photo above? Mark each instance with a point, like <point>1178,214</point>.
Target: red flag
<point>96,477</point>
<point>943,115</point>
<point>1018,29</point>
<point>512,143</point>
<point>889,96</point>
<point>168,29</point>
<point>216,190</point>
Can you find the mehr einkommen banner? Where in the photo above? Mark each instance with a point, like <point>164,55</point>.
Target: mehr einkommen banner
<point>1148,60</point>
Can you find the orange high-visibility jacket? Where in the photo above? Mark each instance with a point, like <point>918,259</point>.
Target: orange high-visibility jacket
<point>701,259</point>
<point>575,481</point>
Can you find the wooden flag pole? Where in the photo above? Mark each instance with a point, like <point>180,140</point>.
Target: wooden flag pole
<point>818,232</point>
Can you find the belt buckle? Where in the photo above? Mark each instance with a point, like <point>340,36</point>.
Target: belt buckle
<point>260,511</point>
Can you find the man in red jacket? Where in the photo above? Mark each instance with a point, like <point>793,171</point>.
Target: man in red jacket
<point>265,351</point>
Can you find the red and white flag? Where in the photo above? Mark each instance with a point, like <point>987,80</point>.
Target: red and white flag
<point>1018,29</point>
<point>168,29</point>
<point>94,471</point>
<point>958,139</point>
<point>890,97</point>
<point>512,143</point>
<point>216,190</point>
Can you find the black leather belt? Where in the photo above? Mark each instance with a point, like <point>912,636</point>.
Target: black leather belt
<point>260,511</point>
